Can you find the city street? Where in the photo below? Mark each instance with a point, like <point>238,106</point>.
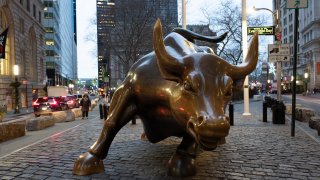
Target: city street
<point>312,101</point>
<point>254,150</point>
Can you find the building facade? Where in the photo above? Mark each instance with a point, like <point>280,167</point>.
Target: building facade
<point>60,40</point>
<point>127,30</point>
<point>25,48</point>
<point>308,61</point>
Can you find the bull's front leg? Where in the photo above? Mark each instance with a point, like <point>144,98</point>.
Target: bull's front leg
<point>182,163</point>
<point>121,112</point>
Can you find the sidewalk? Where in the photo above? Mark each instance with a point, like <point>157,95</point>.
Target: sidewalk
<point>254,150</point>
<point>10,115</point>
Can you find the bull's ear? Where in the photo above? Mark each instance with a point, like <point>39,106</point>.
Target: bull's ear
<point>170,67</point>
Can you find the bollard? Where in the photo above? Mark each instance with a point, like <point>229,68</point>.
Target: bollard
<point>231,113</point>
<point>100,111</point>
<point>105,112</point>
<point>264,115</point>
<point>133,121</point>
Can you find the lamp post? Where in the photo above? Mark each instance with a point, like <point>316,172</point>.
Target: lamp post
<point>276,23</point>
<point>71,86</point>
<point>306,75</point>
<point>16,86</point>
<point>244,53</point>
<point>184,21</point>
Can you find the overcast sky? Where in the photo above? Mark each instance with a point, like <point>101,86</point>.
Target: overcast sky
<point>86,11</point>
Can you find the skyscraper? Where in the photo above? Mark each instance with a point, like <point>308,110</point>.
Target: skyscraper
<point>125,31</point>
<point>60,39</point>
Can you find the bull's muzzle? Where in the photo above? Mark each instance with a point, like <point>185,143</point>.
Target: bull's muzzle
<point>209,132</point>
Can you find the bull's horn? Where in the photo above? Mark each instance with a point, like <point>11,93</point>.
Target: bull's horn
<point>240,71</point>
<point>169,66</point>
<point>192,35</point>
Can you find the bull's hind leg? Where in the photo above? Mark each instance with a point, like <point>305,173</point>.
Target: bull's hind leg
<point>121,112</point>
<point>182,163</point>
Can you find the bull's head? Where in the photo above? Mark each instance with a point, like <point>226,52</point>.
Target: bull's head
<point>203,89</point>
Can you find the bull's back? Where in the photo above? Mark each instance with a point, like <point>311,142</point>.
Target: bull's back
<point>151,94</point>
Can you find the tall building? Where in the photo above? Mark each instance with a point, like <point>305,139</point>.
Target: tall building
<point>24,47</point>
<point>125,31</point>
<point>105,22</point>
<point>308,61</point>
<point>60,40</point>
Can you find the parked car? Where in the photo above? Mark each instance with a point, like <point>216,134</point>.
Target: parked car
<point>46,105</point>
<point>92,96</point>
<point>71,101</point>
<point>78,97</point>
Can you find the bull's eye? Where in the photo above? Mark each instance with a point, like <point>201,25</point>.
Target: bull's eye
<point>187,86</point>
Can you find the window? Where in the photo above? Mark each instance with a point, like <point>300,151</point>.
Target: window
<point>291,39</point>
<point>39,16</point>
<point>28,5</point>
<point>34,11</point>
<point>48,15</point>
<point>290,28</point>
<point>49,29</point>
<point>49,53</point>
<point>48,3</point>
<point>50,42</point>
<point>290,17</point>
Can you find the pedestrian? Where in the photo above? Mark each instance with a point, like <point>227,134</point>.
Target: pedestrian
<point>85,104</point>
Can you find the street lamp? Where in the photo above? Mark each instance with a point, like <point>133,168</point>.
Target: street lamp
<point>16,85</point>
<point>71,86</point>
<point>306,75</point>
<point>275,16</point>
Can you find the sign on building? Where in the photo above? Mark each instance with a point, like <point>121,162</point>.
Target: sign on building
<point>293,4</point>
<point>264,30</point>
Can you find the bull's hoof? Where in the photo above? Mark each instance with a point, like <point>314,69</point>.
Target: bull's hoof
<point>87,164</point>
<point>181,166</point>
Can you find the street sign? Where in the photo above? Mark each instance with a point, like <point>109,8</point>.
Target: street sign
<point>278,50</point>
<point>272,59</point>
<point>278,36</point>
<point>264,30</point>
<point>293,4</point>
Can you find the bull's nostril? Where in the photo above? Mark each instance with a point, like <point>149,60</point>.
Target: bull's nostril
<point>201,119</point>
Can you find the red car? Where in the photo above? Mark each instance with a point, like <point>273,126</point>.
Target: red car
<point>46,105</point>
<point>71,101</point>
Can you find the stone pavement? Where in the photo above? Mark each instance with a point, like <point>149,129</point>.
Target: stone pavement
<point>254,150</point>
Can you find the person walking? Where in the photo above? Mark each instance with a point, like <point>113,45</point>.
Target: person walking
<point>85,104</point>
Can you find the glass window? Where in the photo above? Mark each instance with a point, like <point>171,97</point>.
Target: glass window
<point>28,5</point>
<point>49,29</point>
<point>34,11</point>
<point>50,42</point>
<point>39,16</point>
<point>48,15</point>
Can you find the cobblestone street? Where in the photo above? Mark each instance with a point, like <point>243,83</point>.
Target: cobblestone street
<point>254,150</point>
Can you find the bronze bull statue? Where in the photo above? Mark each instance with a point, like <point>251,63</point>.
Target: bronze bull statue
<point>177,90</point>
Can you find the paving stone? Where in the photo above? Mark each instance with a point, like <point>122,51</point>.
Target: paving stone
<point>254,150</point>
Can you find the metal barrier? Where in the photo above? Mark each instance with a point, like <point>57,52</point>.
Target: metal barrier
<point>231,110</point>
<point>278,110</point>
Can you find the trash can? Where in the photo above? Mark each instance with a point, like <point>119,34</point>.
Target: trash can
<point>278,113</point>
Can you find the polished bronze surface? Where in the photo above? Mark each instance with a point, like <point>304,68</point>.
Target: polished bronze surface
<point>177,90</point>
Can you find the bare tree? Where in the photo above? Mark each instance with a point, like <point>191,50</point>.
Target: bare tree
<point>131,36</point>
<point>228,18</point>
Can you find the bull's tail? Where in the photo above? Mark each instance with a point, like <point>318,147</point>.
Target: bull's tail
<point>191,36</point>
